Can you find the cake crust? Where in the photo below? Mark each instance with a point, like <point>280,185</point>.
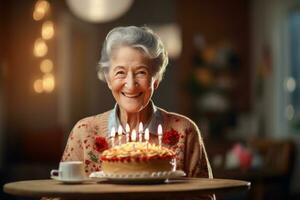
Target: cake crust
<point>137,157</point>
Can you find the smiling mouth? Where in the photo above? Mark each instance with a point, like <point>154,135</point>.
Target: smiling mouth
<point>131,95</point>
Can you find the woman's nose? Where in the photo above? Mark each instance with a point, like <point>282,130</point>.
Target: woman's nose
<point>130,81</point>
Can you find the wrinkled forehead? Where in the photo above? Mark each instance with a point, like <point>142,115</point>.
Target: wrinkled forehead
<point>129,56</point>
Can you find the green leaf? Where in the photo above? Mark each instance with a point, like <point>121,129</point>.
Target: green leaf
<point>93,157</point>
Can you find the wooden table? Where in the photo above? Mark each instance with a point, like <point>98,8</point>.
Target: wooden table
<point>186,187</point>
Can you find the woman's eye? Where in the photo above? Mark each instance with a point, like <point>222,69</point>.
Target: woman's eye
<point>120,73</point>
<point>142,72</point>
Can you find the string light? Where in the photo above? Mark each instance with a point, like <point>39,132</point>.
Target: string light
<point>46,66</point>
<point>48,83</point>
<point>47,30</point>
<point>38,86</point>
<point>40,49</point>
<point>41,8</point>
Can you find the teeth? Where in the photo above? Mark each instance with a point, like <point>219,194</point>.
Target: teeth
<point>131,96</point>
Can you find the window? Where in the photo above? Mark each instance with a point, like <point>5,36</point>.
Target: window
<point>292,82</point>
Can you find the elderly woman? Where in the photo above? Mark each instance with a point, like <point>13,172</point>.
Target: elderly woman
<point>133,61</point>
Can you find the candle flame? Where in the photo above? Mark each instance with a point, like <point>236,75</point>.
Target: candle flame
<point>141,127</point>
<point>147,134</point>
<point>159,130</point>
<point>113,132</point>
<point>133,135</point>
<point>127,128</point>
<point>120,130</point>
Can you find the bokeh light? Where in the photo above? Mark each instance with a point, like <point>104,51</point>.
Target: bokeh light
<point>46,66</point>
<point>47,30</point>
<point>290,112</point>
<point>48,82</point>
<point>41,9</point>
<point>290,84</point>
<point>99,10</point>
<point>38,86</point>
<point>40,48</point>
<point>170,35</point>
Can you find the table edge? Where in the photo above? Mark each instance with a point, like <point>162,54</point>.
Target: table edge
<point>245,186</point>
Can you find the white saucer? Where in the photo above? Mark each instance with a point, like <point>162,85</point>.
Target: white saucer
<point>69,181</point>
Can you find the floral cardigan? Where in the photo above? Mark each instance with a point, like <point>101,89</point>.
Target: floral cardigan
<point>91,136</point>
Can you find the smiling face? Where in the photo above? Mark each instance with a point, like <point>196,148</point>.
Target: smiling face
<point>130,79</point>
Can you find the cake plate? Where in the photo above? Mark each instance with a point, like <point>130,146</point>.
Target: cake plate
<point>138,178</point>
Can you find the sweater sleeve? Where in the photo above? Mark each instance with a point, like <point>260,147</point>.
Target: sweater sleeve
<point>196,160</point>
<point>74,149</point>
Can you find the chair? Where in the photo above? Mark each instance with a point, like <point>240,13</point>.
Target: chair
<point>273,180</point>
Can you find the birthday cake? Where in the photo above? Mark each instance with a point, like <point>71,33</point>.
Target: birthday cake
<point>137,157</point>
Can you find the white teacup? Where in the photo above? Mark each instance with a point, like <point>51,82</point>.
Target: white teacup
<point>69,171</point>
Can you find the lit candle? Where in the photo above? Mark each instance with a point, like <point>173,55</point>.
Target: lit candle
<point>112,135</point>
<point>127,129</point>
<point>120,131</point>
<point>147,136</point>
<point>159,132</point>
<point>133,135</point>
<point>133,138</point>
<point>141,132</point>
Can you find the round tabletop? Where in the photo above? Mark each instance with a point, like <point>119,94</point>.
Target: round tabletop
<point>91,190</point>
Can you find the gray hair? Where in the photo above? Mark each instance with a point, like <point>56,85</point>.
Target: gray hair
<point>142,38</point>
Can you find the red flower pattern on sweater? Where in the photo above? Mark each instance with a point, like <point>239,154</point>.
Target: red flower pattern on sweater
<point>171,137</point>
<point>100,144</point>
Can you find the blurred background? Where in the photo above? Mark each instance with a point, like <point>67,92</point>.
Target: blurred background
<point>234,69</point>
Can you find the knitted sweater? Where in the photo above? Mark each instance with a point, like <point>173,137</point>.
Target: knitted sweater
<point>90,137</point>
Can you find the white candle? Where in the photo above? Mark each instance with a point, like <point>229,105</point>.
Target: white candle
<point>159,132</point>
<point>133,135</point>
<point>112,135</point>
<point>147,136</point>
<point>141,132</point>
<point>127,129</point>
<point>133,138</point>
<point>120,131</point>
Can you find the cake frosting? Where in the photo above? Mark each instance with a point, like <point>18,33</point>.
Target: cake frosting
<point>137,157</point>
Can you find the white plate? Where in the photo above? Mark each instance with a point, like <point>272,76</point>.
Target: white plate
<point>70,181</point>
<point>155,177</point>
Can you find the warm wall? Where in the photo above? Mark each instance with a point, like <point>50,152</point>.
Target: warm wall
<point>217,20</point>
<point>2,65</point>
<point>25,108</point>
